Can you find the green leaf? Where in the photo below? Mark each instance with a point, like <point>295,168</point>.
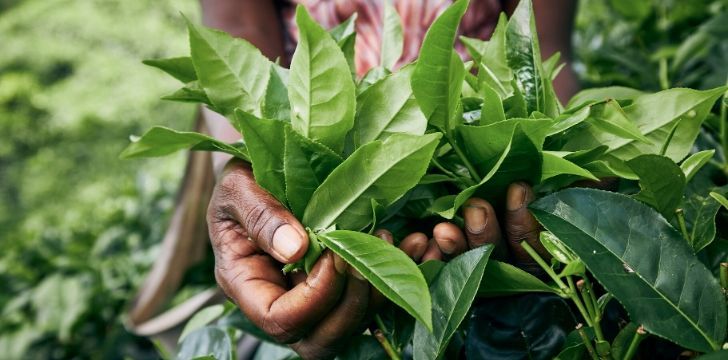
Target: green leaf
<point>200,319</point>
<point>321,90</point>
<point>502,279</point>
<point>493,64</point>
<point>492,111</point>
<point>439,73</point>
<point>602,94</point>
<point>372,76</point>
<point>695,162</point>
<point>656,115</point>
<point>524,56</point>
<point>386,267</point>
<point>275,103</point>
<point>556,248</point>
<point>306,165</point>
<point>191,92</point>
<point>161,141</point>
<point>345,36</point>
<point>362,347</point>
<point>386,108</point>
<point>232,71</point>
<point>555,165</point>
<point>430,269</point>
<point>700,212</point>
<point>670,292</point>
<point>180,68</point>
<point>263,138</point>
<point>381,170</point>
<point>720,198</point>
<point>206,341</point>
<point>610,118</point>
<point>392,38</point>
<point>622,341</point>
<point>568,120</point>
<point>452,292</point>
<point>662,183</point>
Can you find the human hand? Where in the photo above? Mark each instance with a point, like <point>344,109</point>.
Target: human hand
<point>252,234</point>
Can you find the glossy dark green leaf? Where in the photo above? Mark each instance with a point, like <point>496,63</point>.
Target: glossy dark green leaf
<point>524,56</point>
<point>669,292</point>
<point>662,182</point>
<point>573,349</point>
<point>504,279</point>
<point>263,138</point>
<point>362,347</point>
<point>622,341</point>
<point>392,38</point>
<point>180,68</point>
<point>306,165</point>
<point>700,212</point>
<point>381,170</point>
<point>452,292</point>
<point>321,90</point>
<point>275,102</point>
<point>529,326</point>
<point>718,355</point>
<point>439,73</point>
<point>386,108</point>
<point>209,340</point>
<point>161,141</point>
<point>695,162</point>
<point>233,72</point>
<point>387,268</point>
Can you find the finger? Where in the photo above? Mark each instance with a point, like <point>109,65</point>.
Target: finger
<point>433,252</point>
<point>274,230</point>
<point>449,238</point>
<point>521,226</point>
<point>385,235</point>
<point>414,245</point>
<point>340,324</point>
<point>258,287</point>
<point>481,227</point>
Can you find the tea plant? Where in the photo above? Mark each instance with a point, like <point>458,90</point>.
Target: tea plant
<point>357,152</point>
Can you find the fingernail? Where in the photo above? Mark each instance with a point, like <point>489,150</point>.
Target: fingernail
<point>446,245</point>
<point>356,274</point>
<point>384,235</point>
<point>286,241</point>
<point>475,219</point>
<point>516,197</point>
<point>339,264</point>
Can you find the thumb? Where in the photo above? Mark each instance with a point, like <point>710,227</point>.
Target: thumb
<point>265,220</point>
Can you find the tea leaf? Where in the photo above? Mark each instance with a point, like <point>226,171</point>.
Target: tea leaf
<point>392,38</point>
<point>233,72</point>
<point>180,68</point>
<point>720,198</point>
<point>201,318</point>
<point>700,212</point>
<point>602,94</point>
<point>275,102</point>
<point>321,91</point>
<point>191,92</point>
<point>161,141</point>
<point>345,36</point>
<point>554,165</point>
<point>670,292</point>
<point>388,107</point>
<point>502,279</point>
<point>695,162</point>
<point>386,267</point>
<point>380,170</point>
<point>662,182</point>
<point>439,73</point>
<point>452,292</point>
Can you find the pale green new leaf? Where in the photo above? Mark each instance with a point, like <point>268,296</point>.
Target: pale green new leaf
<point>381,170</point>
<point>452,292</point>
<point>201,318</point>
<point>180,68</point>
<point>191,92</point>
<point>345,36</point>
<point>720,198</point>
<point>524,56</point>
<point>602,94</point>
<point>554,165</point>
<point>386,108</point>
<point>670,292</point>
<point>161,141</point>
<point>321,90</point>
<point>386,267</point>
<point>392,38</point>
<point>233,72</point>
<point>695,162</point>
<point>502,279</point>
<point>492,110</point>
<point>439,73</point>
<point>275,102</point>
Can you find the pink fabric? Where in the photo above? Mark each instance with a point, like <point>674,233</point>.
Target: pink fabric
<point>417,15</point>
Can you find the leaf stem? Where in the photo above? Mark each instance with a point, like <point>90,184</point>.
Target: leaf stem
<point>463,158</point>
<point>391,352</point>
<point>573,295</point>
<point>683,227</point>
<point>639,335</point>
<point>589,299</point>
<point>468,182</point>
<point>586,341</point>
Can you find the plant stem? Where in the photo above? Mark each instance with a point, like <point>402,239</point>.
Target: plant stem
<point>586,341</point>
<point>463,158</point>
<point>664,80</point>
<point>593,309</point>
<point>391,352</point>
<point>573,295</point>
<point>468,182</point>
<point>683,228</point>
<point>724,277</point>
<point>639,335</point>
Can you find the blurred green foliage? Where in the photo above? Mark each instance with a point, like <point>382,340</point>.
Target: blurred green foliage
<point>78,227</point>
